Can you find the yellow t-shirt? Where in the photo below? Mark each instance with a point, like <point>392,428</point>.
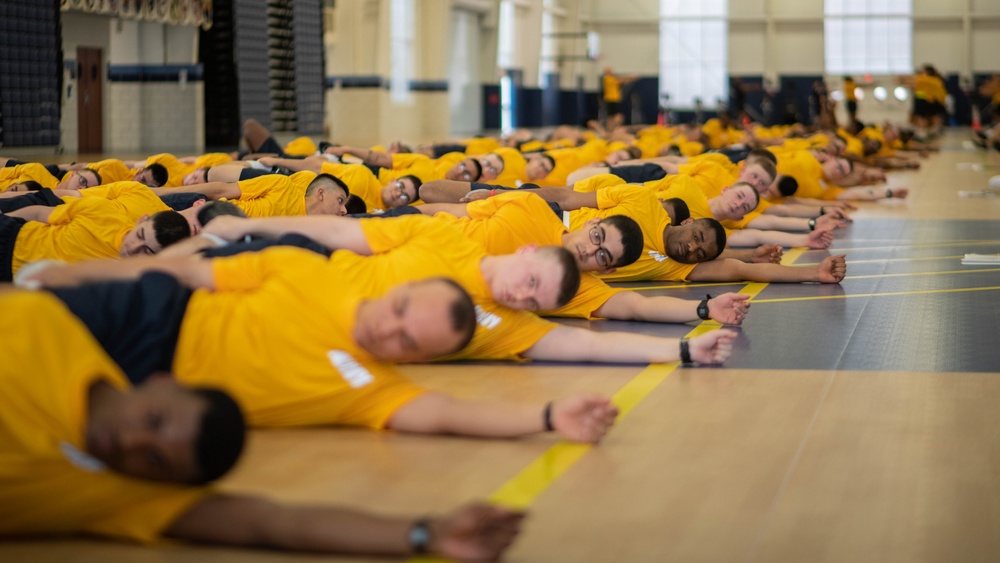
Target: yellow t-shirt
<point>514,172</point>
<point>710,175</point>
<point>113,170</point>
<point>48,483</point>
<point>21,173</point>
<point>683,187</point>
<point>301,146</point>
<point>479,146</point>
<point>175,168</point>
<point>612,88</point>
<point>806,170</point>
<point>360,181</point>
<point>277,334</point>
<point>416,247</point>
<point>271,195</point>
<point>132,199</point>
<point>445,163</point>
<point>506,222</point>
<point>849,91</point>
<point>639,203</point>
<point>406,164</point>
<point>82,228</point>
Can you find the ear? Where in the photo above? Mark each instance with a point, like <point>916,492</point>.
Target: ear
<point>199,203</point>
<point>527,249</point>
<point>593,222</point>
<point>687,221</point>
<point>143,218</point>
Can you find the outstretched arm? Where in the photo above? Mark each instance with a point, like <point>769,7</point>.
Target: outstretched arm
<point>444,191</point>
<point>375,158</point>
<point>311,163</point>
<point>474,532</point>
<point>329,230</point>
<point>567,198</point>
<point>581,418</point>
<point>195,273</point>
<point>571,344</point>
<point>212,190</point>
<point>456,209</point>
<point>728,308</point>
<point>831,270</point>
<point>753,237</point>
<point>763,254</point>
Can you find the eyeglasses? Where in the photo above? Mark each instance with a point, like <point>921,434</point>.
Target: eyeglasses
<point>82,180</point>
<point>464,172</point>
<point>487,167</point>
<point>403,196</point>
<point>603,256</point>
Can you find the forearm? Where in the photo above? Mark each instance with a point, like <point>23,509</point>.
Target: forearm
<point>754,238</point>
<point>368,156</point>
<point>741,254</point>
<point>569,344</point>
<point>793,210</point>
<point>330,231</point>
<point>194,273</point>
<point>631,306</point>
<point>774,222</point>
<point>211,190</point>
<point>456,209</point>
<point>437,413</point>
<point>248,521</point>
<point>312,163</point>
<point>38,213</point>
<point>443,191</point>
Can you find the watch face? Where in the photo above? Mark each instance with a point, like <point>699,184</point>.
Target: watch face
<point>420,537</point>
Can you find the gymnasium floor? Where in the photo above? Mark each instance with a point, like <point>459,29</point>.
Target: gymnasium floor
<point>854,422</point>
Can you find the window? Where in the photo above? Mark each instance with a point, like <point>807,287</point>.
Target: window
<point>869,36</point>
<point>693,43</point>
<point>401,26</point>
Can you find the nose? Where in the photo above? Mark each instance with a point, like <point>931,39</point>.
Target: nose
<point>134,439</point>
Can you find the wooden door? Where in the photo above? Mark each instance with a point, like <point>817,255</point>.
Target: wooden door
<point>90,104</point>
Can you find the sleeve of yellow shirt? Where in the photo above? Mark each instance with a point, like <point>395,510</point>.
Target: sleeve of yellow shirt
<point>249,270</point>
<point>593,294</point>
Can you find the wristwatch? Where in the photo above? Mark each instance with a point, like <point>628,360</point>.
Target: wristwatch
<point>419,536</point>
<point>703,308</point>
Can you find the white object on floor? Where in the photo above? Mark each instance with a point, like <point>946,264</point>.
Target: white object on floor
<point>981,260</point>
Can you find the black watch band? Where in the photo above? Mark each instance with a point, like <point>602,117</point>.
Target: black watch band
<point>703,308</point>
<point>419,536</point>
<point>812,224</point>
<point>685,352</point>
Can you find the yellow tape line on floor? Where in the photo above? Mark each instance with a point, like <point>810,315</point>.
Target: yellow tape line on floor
<point>521,490</point>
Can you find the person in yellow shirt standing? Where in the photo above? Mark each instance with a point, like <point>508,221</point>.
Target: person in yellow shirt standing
<point>86,452</point>
<point>851,101</point>
<point>611,85</point>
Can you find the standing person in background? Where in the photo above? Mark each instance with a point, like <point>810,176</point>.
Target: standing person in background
<point>612,87</point>
<point>852,100</point>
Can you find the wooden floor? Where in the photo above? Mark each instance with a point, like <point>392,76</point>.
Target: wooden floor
<point>859,457</point>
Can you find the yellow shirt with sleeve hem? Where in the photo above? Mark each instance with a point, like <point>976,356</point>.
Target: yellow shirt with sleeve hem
<point>79,230</point>
<point>132,199</point>
<point>687,189</point>
<point>416,247</point>
<point>175,168</point>
<point>271,195</point>
<point>30,172</point>
<point>406,164</point>
<point>709,175</point>
<point>48,483</point>
<point>506,222</point>
<point>113,170</point>
<point>639,203</point>
<point>277,333</point>
<point>612,88</point>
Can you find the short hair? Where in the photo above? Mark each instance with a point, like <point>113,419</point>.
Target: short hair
<point>32,185</point>
<point>220,437</point>
<point>170,227</point>
<point>213,209</point>
<point>681,210</point>
<point>479,169</point>
<point>417,182</point>
<point>760,154</point>
<point>787,185</point>
<point>355,205</point>
<point>548,157</point>
<point>462,312</point>
<point>720,235</point>
<point>767,166</point>
<point>634,152</point>
<point>632,242</point>
<point>97,176</point>
<point>571,273</point>
<point>160,175</point>
<point>326,181</point>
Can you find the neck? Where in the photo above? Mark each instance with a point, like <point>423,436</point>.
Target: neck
<point>311,202</point>
<point>713,205</point>
<point>102,398</point>
<point>489,266</point>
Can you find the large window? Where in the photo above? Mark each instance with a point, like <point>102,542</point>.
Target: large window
<point>869,36</point>
<point>401,24</point>
<point>693,52</point>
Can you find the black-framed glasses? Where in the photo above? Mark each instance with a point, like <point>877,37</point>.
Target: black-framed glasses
<point>603,256</point>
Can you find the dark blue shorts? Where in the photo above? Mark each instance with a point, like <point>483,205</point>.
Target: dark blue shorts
<point>136,322</point>
<point>638,173</point>
<point>9,227</point>
<point>43,196</point>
